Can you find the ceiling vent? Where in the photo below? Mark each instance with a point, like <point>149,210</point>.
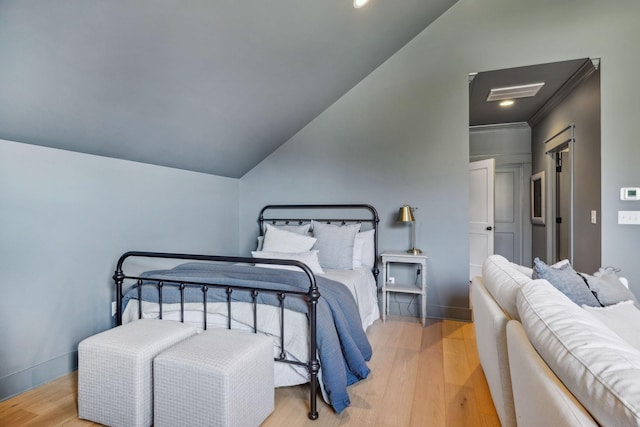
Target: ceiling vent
<point>513,92</point>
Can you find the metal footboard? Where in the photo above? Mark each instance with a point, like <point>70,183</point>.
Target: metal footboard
<point>311,295</point>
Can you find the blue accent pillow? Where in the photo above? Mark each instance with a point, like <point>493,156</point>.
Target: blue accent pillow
<point>566,280</point>
<point>609,290</point>
<point>335,244</point>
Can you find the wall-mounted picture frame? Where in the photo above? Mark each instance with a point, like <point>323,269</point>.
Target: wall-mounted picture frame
<point>538,198</point>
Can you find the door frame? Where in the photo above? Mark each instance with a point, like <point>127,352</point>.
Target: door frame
<point>561,141</point>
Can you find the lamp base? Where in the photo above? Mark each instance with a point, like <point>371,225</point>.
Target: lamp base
<point>414,251</point>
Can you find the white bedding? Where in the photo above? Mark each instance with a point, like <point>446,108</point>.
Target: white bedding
<point>363,287</point>
<point>295,331</point>
<point>360,282</point>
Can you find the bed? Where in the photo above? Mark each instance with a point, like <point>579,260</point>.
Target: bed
<point>311,284</point>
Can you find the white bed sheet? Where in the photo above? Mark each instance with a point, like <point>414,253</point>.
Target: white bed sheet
<point>363,287</point>
<point>360,282</point>
<point>296,329</point>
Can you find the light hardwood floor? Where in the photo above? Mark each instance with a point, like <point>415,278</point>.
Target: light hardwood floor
<point>419,377</point>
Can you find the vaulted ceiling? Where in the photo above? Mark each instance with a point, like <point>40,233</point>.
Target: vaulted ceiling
<point>206,85</point>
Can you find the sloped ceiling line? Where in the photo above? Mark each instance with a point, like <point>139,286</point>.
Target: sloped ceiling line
<point>212,87</point>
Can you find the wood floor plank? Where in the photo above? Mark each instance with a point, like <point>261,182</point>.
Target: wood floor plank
<point>396,406</point>
<point>432,335</point>
<point>419,377</point>
<point>460,406</point>
<point>452,329</point>
<point>455,361</point>
<point>428,397</point>
<point>368,395</point>
<point>17,417</point>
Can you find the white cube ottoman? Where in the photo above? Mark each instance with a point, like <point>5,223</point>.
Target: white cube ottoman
<point>115,379</point>
<point>220,377</point>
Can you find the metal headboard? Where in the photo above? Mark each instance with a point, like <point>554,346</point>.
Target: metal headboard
<point>322,215</point>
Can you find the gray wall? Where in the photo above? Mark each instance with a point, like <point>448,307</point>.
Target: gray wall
<point>65,218</point>
<point>507,143</point>
<point>582,108</point>
<point>401,135</point>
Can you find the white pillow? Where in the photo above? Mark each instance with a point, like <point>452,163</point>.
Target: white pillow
<point>335,244</point>
<point>622,318</point>
<point>309,258</point>
<point>277,240</point>
<point>298,229</point>
<point>364,252</point>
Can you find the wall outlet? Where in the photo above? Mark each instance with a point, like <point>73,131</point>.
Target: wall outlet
<point>391,280</point>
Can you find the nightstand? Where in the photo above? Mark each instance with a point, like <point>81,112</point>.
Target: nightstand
<point>390,257</point>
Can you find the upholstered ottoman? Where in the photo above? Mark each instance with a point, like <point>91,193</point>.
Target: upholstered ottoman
<point>220,377</point>
<point>115,376</point>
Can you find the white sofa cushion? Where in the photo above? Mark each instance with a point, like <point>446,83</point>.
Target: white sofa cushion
<point>540,397</point>
<point>622,318</point>
<point>503,279</point>
<point>597,366</point>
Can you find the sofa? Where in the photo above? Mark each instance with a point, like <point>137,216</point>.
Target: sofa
<point>551,355</point>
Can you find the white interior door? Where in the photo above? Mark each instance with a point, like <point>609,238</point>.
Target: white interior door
<point>481,213</point>
<point>508,212</point>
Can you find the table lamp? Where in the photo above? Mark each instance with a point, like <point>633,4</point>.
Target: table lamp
<point>406,215</point>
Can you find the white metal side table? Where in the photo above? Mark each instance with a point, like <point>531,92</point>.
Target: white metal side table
<point>390,257</point>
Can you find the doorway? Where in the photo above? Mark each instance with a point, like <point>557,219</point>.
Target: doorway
<point>570,93</point>
<point>563,199</point>
<point>510,146</point>
<point>560,152</point>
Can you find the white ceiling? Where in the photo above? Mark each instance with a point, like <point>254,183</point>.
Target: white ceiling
<point>206,85</point>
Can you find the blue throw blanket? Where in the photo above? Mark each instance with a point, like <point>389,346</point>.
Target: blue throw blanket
<point>343,347</point>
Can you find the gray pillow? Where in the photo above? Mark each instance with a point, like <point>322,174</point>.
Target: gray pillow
<point>609,290</point>
<point>567,281</point>
<point>335,244</point>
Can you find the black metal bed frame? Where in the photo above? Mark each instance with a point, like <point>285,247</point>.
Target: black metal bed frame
<point>311,295</point>
<point>373,220</point>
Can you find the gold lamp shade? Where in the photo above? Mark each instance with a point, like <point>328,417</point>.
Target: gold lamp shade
<point>406,215</point>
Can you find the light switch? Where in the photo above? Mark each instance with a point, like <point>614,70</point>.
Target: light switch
<point>629,217</point>
<point>594,217</point>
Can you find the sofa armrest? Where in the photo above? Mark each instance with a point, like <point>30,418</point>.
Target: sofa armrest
<point>540,398</point>
<point>490,324</point>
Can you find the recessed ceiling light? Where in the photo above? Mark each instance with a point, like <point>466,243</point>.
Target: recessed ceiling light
<point>512,92</point>
<point>359,3</point>
<point>507,103</point>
